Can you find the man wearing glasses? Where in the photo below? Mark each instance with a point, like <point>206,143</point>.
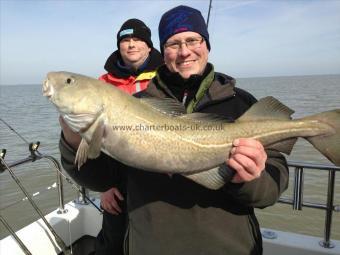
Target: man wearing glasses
<point>171,214</point>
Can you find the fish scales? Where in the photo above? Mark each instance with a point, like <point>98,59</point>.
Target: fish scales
<point>150,135</point>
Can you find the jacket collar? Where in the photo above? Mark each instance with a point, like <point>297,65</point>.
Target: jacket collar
<point>222,87</point>
<point>211,87</point>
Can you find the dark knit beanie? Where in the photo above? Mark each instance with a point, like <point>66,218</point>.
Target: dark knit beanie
<point>181,19</point>
<point>135,28</point>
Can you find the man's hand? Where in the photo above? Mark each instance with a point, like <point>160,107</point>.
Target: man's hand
<point>109,201</point>
<point>247,158</point>
<point>71,137</point>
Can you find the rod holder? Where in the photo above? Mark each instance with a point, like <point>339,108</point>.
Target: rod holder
<point>82,196</point>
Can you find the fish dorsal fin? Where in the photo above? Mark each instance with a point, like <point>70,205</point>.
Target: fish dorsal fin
<point>267,108</point>
<point>205,117</point>
<point>165,105</point>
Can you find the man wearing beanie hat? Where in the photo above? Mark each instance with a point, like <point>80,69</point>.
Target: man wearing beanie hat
<point>134,63</point>
<point>129,68</point>
<point>182,19</point>
<point>135,28</point>
<point>174,215</point>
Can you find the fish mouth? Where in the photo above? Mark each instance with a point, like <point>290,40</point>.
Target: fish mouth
<point>48,89</point>
<point>77,121</point>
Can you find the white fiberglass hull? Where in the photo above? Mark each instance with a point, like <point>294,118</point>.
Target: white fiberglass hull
<point>85,220</point>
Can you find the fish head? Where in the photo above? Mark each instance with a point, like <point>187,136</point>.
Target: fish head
<point>76,97</point>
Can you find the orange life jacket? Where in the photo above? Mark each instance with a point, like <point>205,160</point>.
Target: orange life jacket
<point>131,84</point>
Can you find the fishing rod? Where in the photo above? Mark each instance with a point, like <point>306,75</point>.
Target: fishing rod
<point>209,13</point>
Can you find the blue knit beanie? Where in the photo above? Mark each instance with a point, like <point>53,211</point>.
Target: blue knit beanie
<point>181,19</point>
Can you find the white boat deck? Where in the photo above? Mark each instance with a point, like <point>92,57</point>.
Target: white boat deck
<point>82,220</point>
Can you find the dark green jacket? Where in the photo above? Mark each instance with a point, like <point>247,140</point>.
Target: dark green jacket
<point>173,215</point>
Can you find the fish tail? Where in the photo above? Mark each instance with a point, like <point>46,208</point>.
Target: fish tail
<point>328,143</point>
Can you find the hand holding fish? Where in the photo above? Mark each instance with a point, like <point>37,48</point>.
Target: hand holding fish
<point>248,159</point>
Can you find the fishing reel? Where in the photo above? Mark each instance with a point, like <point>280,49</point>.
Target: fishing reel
<point>34,155</point>
<point>2,157</point>
<point>33,148</point>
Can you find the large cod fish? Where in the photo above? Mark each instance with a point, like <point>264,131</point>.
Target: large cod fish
<point>156,134</point>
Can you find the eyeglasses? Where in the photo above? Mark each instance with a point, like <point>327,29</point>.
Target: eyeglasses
<point>191,43</point>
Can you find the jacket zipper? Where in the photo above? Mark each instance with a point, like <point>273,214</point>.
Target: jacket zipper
<point>185,96</point>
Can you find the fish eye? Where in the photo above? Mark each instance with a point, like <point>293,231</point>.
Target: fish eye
<point>69,80</point>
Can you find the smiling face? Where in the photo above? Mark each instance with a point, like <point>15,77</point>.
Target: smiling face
<point>134,51</point>
<point>186,60</point>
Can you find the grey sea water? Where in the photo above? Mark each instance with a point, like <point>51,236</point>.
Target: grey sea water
<point>30,114</point>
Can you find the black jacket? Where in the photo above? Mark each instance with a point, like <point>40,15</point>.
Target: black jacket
<point>173,215</point>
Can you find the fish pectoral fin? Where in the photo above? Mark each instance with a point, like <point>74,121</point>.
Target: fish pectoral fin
<point>92,149</point>
<point>81,155</point>
<point>213,178</point>
<point>96,141</point>
<point>285,146</point>
<point>267,108</point>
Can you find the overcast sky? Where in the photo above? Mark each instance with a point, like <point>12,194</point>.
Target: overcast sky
<point>248,38</point>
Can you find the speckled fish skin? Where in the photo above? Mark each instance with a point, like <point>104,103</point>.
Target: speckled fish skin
<point>138,134</point>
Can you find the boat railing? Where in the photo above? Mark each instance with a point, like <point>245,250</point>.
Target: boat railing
<point>33,156</point>
<point>298,202</point>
